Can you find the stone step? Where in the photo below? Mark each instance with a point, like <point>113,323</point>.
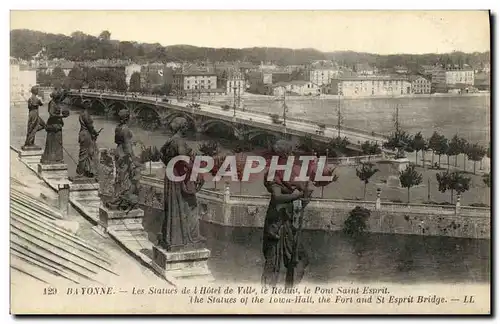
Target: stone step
<point>28,204</point>
<point>87,263</point>
<point>92,210</point>
<point>128,227</point>
<point>93,203</point>
<point>51,226</point>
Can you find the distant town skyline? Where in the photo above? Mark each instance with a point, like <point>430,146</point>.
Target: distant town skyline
<point>377,32</point>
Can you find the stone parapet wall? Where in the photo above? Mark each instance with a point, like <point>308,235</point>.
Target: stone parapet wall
<point>223,208</point>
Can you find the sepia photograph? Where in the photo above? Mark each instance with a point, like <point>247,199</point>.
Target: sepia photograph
<point>250,162</point>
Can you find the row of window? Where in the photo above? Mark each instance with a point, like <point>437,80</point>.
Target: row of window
<point>196,87</point>
<point>202,81</point>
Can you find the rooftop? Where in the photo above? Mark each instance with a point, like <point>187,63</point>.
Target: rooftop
<point>196,73</point>
<point>294,82</point>
<point>416,77</point>
<point>374,78</point>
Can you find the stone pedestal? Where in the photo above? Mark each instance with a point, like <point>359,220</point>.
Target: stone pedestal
<point>121,220</point>
<point>84,189</point>
<point>182,265</point>
<point>27,148</point>
<point>31,155</point>
<point>63,198</point>
<point>153,169</point>
<point>391,168</point>
<point>53,171</point>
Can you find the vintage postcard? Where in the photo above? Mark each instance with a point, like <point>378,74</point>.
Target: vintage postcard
<point>250,162</point>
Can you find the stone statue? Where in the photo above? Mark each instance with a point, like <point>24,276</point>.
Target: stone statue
<point>180,225</point>
<point>128,168</point>
<point>53,153</point>
<point>280,230</point>
<point>35,123</point>
<point>87,157</point>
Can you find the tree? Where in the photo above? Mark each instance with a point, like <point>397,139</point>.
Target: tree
<point>364,172</point>
<point>240,168</point>
<point>305,144</point>
<point>76,78</point>
<point>355,224</point>
<point>58,76</point>
<point>454,149</point>
<point>328,172</point>
<point>443,149</point>
<point>338,145</point>
<point>209,148</point>
<point>375,149</point>
<point>464,146</point>
<point>105,35</point>
<point>439,145</point>
<point>135,82</point>
<point>434,144</point>
<point>475,153</point>
<point>83,47</point>
<point>218,161</point>
<point>400,141</point>
<point>276,119</point>
<point>410,178</point>
<point>43,79</point>
<point>370,148</point>
<point>365,147</point>
<point>487,179</point>
<point>419,143</point>
<point>454,181</point>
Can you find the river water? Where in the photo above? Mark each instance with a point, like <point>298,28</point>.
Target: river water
<point>236,252</point>
<point>236,256</point>
<point>467,116</point>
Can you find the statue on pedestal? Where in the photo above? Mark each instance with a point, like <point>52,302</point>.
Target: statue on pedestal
<point>53,153</point>
<point>35,123</point>
<point>128,168</point>
<point>180,229</point>
<point>87,157</point>
<point>281,244</point>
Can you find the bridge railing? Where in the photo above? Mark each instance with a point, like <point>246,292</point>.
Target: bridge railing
<point>117,95</point>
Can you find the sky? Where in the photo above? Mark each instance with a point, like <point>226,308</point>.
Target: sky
<point>382,32</point>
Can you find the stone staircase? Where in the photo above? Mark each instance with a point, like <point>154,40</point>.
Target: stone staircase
<point>46,251</point>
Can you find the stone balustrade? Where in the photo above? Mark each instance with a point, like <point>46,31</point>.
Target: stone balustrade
<point>227,209</point>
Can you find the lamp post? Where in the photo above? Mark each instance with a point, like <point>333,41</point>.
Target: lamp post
<point>234,101</point>
<point>284,106</point>
<point>339,117</point>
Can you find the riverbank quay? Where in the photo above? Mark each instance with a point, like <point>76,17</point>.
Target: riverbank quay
<point>253,96</point>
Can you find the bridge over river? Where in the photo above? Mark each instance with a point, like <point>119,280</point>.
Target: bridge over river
<point>202,117</point>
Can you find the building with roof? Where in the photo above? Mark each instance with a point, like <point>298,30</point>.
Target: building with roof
<point>156,74</point>
<point>193,81</point>
<point>236,83</point>
<point>129,70</point>
<point>482,81</point>
<point>49,66</point>
<point>400,69</point>
<point>370,86</point>
<point>296,88</point>
<point>323,76</point>
<point>451,77</point>
<point>364,69</point>
<point>420,84</point>
<point>22,78</point>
